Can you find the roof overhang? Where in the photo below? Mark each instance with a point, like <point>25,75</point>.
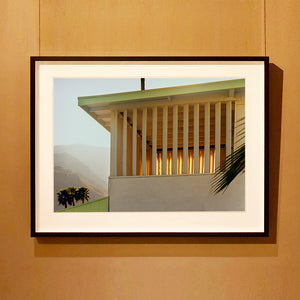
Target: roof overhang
<point>99,106</point>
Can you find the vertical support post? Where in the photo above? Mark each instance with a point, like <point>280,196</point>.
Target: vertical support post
<point>154,139</point>
<point>175,139</point>
<point>228,127</point>
<point>196,138</point>
<point>144,141</point>
<point>239,122</point>
<point>134,138</point>
<point>185,138</point>
<point>206,137</point>
<point>113,144</point>
<point>217,133</point>
<point>165,140</point>
<point>125,142</point>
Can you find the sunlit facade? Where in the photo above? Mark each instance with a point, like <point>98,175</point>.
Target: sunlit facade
<point>183,131</point>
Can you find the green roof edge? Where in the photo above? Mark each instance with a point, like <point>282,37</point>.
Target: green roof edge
<point>161,92</point>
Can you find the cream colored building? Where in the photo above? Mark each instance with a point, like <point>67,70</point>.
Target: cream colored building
<point>166,144</point>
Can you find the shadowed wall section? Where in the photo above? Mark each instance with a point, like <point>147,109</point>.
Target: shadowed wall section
<point>174,193</point>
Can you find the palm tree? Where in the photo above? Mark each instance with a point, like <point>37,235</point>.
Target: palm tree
<point>86,195</point>
<point>81,194</point>
<point>78,195</point>
<point>72,191</point>
<point>234,163</point>
<point>63,198</point>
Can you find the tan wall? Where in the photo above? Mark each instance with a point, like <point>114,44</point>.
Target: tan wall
<point>148,268</point>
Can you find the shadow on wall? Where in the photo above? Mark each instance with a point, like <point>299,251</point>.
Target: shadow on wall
<point>188,246</point>
<point>174,193</point>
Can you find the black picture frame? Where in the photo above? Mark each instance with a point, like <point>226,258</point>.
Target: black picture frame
<point>33,76</point>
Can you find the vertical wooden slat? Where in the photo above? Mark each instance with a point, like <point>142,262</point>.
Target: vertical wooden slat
<point>160,163</point>
<point>113,144</point>
<point>196,138</point>
<point>217,133</point>
<point>175,138</point>
<point>191,162</point>
<point>185,138</point>
<point>228,127</point>
<point>168,164</point>
<point>206,137</point>
<point>165,140</point>
<point>134,142</point>
<point>239,115</point>
<point>201,162</point>
<point>154,139</point>
<point>144,141</point>
<point>180,163</point>
<point>129,147</point>
<point>212,161</point>
<point>125,142</point>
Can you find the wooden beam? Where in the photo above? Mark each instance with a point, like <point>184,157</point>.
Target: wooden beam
<point>175,139</point>
<point>185,138</point>
<point>154,139</point>
<point>124,158</point>
<point>165,140</point>
<point>217,134</point>
<point>179,101</point>
<point>228,127</point>
<point>113,144</point>
<point>196,138</point>
<point>134,139</point>
<point>144,141</point>
<point>206,137</point>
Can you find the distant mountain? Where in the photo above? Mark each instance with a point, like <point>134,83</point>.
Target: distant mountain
<point>67,161</point>
<point>64,178</point>
<point>97,159</point>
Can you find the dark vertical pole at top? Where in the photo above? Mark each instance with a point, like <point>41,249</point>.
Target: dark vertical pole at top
<point>142,84</point>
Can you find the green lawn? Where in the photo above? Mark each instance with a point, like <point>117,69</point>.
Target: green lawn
<point>100,205</point>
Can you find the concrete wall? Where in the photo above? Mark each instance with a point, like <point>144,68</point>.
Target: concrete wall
<point>174,193</point>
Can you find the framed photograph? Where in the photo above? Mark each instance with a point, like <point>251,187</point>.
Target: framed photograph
<point>149,146</point>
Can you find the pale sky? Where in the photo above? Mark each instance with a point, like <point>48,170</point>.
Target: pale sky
<point>72,125</point>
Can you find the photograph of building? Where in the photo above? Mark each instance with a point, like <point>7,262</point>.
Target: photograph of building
<point>167,143</point>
